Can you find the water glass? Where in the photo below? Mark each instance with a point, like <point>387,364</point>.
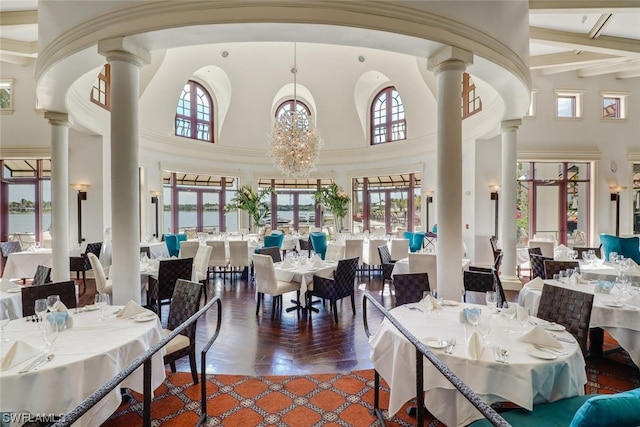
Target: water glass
<point>523,317</point>
<point>484,328</point>
<point>492,300</point>
<point>613,256</point>
<point>49,332</point>
<point>562,276</point>
<point>101,301</point>
<point>40,308</point>
<point>51,301</point>
<point>556,276</point>
<point>4,321</point>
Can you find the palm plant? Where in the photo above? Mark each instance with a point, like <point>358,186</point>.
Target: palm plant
<point>255,203</point>
<point>336,200</point>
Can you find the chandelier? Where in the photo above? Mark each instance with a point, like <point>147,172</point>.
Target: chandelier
<point>295,142</point>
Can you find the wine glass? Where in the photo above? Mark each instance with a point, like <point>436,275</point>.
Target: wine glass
<point>4,321</point>
<point>622,280</point>
<point>473,316</point>
<point>509,312</point>
<point>101,301</point>
<point>40,307</point>
<point>484,328</point>
<point>49,332</point>
<point>51,301</point>
<point>523,317</point>
<point>492,301</point>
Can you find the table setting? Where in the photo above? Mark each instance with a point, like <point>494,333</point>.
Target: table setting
<point>300,269</point>
<point>486,348</point>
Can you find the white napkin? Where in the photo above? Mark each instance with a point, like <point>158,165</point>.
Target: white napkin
<point>317,262</point>
<point>522,313</point>
<point>510,309</point>
<point>132,309</point>
<point>574,279</point>
<point>286,263</point>
<point>474,346</point>
<point>536,283</point>
<point>431,303</point>
<point>539,336</point>
<point>6,284</point>
<point>18,353</point>
<point>634,300</point>
<point>61,308</point>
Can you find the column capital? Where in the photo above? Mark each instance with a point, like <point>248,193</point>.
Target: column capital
<point>57,119</point>
<point>511,124</point>
<point>449,58</point>
<point>123,49</point>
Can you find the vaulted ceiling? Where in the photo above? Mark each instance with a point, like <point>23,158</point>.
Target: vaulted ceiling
<point>586,37</point>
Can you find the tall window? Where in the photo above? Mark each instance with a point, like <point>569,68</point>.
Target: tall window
<point>388,123</point>
<point>471,102</point>
<point>294,204</point>
<point>194,114</point>
<point>100,91</point>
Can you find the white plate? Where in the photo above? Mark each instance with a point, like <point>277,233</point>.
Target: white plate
<point>144,317</point>
<point>540,354</point>
<point>434,343</point>
<point>450,302</point>
<point>552,327</point>
<point>91,307</point>
<point>14,290</point>
<point>614,304</point>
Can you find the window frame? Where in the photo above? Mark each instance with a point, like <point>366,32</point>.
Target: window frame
<point>8,84</point>
<point>621,98</point>
<point>388,123</point>
<point>469,97</point>
<point>103,76</point>
<point>193,109</point>
<point>577,97</point>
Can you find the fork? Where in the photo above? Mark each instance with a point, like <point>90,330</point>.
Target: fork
<point>550,350</point>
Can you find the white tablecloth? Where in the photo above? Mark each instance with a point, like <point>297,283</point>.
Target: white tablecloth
<point>524,380</point>
<point>623,323</point>
<point>303,274</point>
<point>24,264</point>
<point>157,249</point>
<point>12,301</point>
<point>86,357</point>
<point>402,266</point>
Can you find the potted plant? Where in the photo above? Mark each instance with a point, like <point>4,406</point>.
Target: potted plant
<point>255,203</point>
<point>336,200</point>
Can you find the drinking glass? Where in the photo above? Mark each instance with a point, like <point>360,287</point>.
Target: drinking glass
<point>437,297</point>
<point>473,317</point>
<point>613,256</point>
<point>562,276</point>
<point>101,301</point>
<point>622,280</point>
<point>484,328</point>
<point>49,332</point>
<point>40,307</point>
<point>51,301</point>
<point>509,314</point>
<point>492,301</point>
<point>4,321</point>
<point>523,317</point>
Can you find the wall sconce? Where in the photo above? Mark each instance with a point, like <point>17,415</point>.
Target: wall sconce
<point>154,200</point>
<point>615,197</point>
<point>429,199</point>
<point>494,196</point>
<point>82,195</point>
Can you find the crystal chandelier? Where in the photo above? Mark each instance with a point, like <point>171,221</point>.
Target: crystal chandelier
<point>295,142</point>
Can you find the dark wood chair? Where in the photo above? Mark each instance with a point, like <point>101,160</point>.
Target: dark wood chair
<point>66,290</point>
<point>410,287</point>
<point>477,281</point>
<point>185,302</point>
<point>552,267</point>
<point>597,251</point>
<point>387,265</point>
<point>537,265</point>
<point>7,248</point>
<point>341,285</point>
<point>80,264</point>
<point>42,276</point>
<point>272,251</point>
<point>305,245</point>
<point>161,288</point>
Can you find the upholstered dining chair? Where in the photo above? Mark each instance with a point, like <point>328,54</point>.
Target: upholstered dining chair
<point>410,287</point>
<point>424,263</point>
<point>66,290</point>
<point>80,264</point>
<point>374,260</point>
<point>477,281</point>
<point>305,245</point>
<point>218,262</point>
<point>341,285</point>
<point>353,248</point>
<point>185,302</point>
<point>239,261</point>
<point>103,285</point>
<point>569,308</point>
<point>399,249</point>
<point>580,250</point>
<point>537,265</point>
<point>552,267</point>
<point>201,264</point>
<point>416,241</point>
<point>173,243</point>
<point>161,288</point>
<point>319,242</point>
<point>272,251</point>
<point>42,276</point>
<point>7,248</point>
<point>267,283</point>
<point>629,247</point>
<point>188,249</point>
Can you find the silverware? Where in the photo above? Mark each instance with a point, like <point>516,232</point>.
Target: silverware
<point>48,359</point>
<point>415,308</point>
<point>498,356</point>
<point>504,353</point>
<point>33,364</point>
<point>550,350</point>
<point>451,343</point>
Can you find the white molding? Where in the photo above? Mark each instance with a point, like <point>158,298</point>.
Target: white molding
<point>574,154</point>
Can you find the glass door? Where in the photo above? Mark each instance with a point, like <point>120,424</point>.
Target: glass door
<point>187,210</point>
<point>547,204</point>
<point>210,212</point>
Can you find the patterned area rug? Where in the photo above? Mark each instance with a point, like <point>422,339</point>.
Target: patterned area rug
<point>310,400</point>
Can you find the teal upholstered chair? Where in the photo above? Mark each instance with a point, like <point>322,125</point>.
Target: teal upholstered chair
<point>273,240</point>
<point>619,410</point>
<point>173,243</point>
<point>415,244</point>
<point>629,247</point>
<point>319,242</point>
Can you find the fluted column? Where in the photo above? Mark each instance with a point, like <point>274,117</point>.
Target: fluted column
<point>59,194</point>
<point>448,66</point>
<point>125,60</point>
<point>508,231</point>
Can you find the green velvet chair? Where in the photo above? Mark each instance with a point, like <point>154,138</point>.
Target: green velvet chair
<point>629,247</point>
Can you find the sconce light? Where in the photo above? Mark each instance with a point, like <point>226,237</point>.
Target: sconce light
<point>82,195</point>
<point>615,197</point>
<point>494,196</point>
<point>154,200</point>
<point>429,199</point>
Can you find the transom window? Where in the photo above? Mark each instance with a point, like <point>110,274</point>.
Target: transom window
<point>100,90</point>
<point>471,102</point>
<point>388,122</point>
<point>287,106</point>
<point>194,114</point>
<point>614,105</point>
<point>569,104</point>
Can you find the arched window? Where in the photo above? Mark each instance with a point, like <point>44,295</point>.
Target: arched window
<point>287,106</point>
<point>194,115</point>
<point>387,117</point>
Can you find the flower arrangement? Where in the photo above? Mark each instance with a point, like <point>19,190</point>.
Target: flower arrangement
<point>255,203</point>
<point>334,199</point>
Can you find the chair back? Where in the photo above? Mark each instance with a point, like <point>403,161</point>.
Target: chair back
<point>424,263</point>
<point>201,260</point>
<point>7,248</point>
<point>399,249</point>
<point>537,265</point>
<point>581,250</point>
<point>191,233</point>
<point>173,246</point>
<point>273,252</point>
<point>185,302</point>
<point>303,230</point>
<point>416,242</point>
<point>353,248</point>
<point>384,254</point>
<point>626,246</point>
<point>501,297</point>
<point>218,253</point>
<point>478,281</point>
<point>66,290</point>
<point>188,249</point>
<point>98,274</point>
<point>273,240</point>
<point>546,247</point>
<point>285,229</point>
<point>552,267</point>
<point>169,271</point>
<point>569,308</point>
<point>266,281</point>
<point>92,248</point>
<point>536,250</point>
<point>305,245</point>
<point>410,287</point>
<point>42,276</point>
<point>345,277</point>
<point>239,253</point>
<point>319,242</point>
<point>145,250</point>
<point>374,254</point>
<point>494,246</point>
<point>335,252</point>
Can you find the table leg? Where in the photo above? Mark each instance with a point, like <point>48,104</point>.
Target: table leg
<point>596,341</point>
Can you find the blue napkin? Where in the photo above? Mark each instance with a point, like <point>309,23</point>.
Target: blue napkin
<point>466,311</point>
<point>604,287</point>
<point>59,318</point>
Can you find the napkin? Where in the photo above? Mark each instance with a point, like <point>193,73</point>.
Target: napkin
<point>59,307</point>
<point>466,311</point>
<point>132,309</point>
<point>539,336</point>
<point>536,283</point>
<point>286,263</point>
<point>6,284</point>
<point>474,346</point>
<point>18,353</point>
<point>317,262</point>
<point>510,309</point>
<point>431,303</point>
<point>634,300</point>
<point>522,313</point>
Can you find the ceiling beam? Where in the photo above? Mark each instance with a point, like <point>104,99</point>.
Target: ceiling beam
<point>609,68</point>
<point>23,17</point>
<point>582,5</point>
<point>18,47</point>
<point>15,59</point>
<point>631,74</point>
<point>603,44</point>
<point>566,58</point>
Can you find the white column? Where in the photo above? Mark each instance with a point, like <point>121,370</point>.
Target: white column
<point>448,66</point>
<point>59,195</point>
<point>508,200</point>
<point>126,60</point>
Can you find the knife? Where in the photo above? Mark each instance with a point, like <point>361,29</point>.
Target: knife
<point>33,364</point>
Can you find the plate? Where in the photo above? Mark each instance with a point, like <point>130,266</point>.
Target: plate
<point>145,317</point>
<point>434,343</point>
<point>450,302</point>
<point>14,290</point>
<point>532,351</point>
<point>614,304</point>
<point>91,307</point>
<point>552,327</point>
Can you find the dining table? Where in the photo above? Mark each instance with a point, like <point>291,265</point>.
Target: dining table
<point>86,356</point>
<point>610,311</point>
<point>24,264</point>
<point>401,266</point>
<point>11,298</point>
<point>303,272</point>
<point>156,249</point>
<point>518,373</point>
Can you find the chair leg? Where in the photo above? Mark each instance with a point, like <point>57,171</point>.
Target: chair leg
<point>258,305</point>
<point>335,310</point>
<point>273,307</point>
<point>353,303</point>
<point>192,362</point>
<point>84,282</point>
<point>173,366</point>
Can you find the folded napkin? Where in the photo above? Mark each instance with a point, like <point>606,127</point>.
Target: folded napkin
<point>634,300</point>
<point>60,315</point>
<point>6,284</point>
<point>539,336</point>
<point>431,303</point>
<point>536,283</point>
<point>132,309</point>
<point>18,353</point>
<point>474,346</point>
<point>523,313</point>
<point>318,263</point>
<point>511,309</point>
<point>286,264</point>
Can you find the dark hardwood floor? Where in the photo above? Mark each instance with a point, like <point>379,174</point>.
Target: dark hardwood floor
<point>291,344</point>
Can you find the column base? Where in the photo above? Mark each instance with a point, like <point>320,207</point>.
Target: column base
<point>510,283</point>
